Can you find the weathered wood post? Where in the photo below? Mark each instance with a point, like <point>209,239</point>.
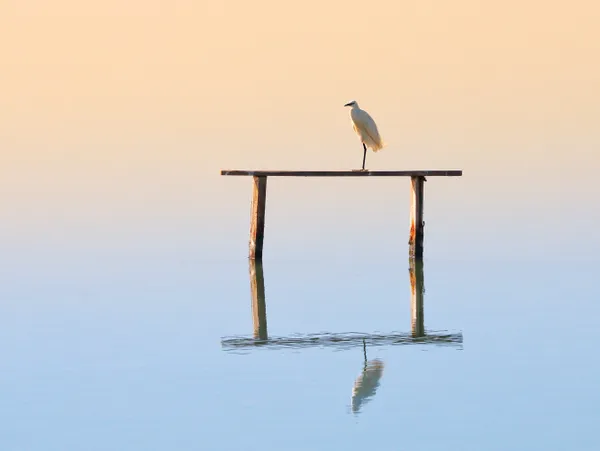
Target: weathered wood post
<point>259,305</point>
<point>417,288</point>
<point>257,217</point>
<point>417,232</point>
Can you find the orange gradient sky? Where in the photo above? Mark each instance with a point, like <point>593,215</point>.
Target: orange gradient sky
<point>120,114</point>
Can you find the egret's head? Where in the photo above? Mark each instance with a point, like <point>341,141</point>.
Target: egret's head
<point>352,104</point>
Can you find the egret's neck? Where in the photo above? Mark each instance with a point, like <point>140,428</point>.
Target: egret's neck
<point>355,106</point>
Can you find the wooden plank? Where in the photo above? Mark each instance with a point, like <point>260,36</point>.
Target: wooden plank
<point>259,306</point>
<point>417,288</point>
<point>357,173</point>
<point>416,235</point>
<point>257,220</point>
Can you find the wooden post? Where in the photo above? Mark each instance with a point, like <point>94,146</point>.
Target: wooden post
<point>259,305</point>
<point>417,288</point>
<point>257,220</point>
<point>417,225</point>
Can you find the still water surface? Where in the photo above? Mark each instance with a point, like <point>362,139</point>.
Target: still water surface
<point>314,355</point>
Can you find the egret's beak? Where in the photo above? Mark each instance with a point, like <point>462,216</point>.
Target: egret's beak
<point>348,104</point>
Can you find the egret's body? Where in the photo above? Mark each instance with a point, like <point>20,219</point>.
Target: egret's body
<point>366,129</point>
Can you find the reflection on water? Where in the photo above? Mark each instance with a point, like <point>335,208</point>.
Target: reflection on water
<point>259,306</point>
<point>367,382</point>
<point>345,340</point>
<point>417,288</point>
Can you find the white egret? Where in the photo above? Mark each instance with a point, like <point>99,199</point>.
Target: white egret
<point>366,129</point>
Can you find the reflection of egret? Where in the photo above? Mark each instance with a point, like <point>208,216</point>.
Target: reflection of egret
<point>366,384</point>
<point>366,129</point>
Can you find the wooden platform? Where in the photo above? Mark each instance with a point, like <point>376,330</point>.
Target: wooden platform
<point>259,199</point>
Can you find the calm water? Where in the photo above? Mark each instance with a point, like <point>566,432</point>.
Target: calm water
<point>157,354</point>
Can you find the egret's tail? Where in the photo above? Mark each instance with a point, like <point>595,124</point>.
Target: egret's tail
<point>378,146</point>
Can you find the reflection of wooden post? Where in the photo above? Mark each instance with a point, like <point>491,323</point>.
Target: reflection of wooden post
<point>415,240</point>
<point>259,306</point>
<point>257,219</point>
<point>417,287</point>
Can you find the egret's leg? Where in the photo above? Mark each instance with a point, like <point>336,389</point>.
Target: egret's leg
<point>364,155</point>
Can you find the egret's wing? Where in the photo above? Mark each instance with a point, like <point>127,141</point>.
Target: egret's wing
<point>363,121</point>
